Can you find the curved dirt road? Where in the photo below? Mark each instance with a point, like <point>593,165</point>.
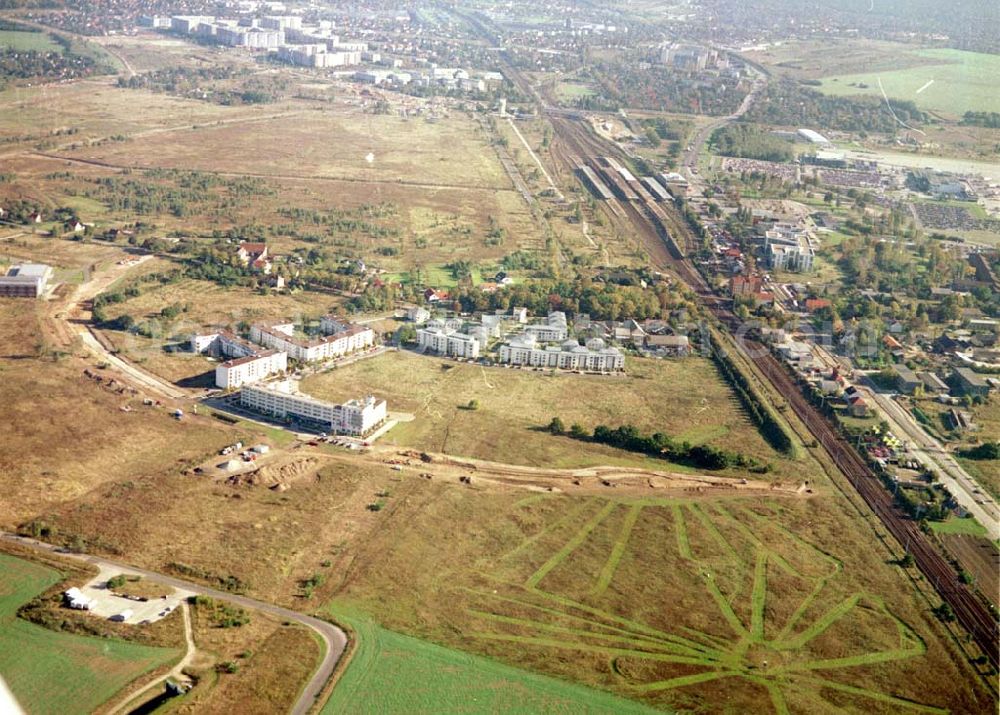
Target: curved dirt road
<point>176,672</point>
<point>334,639</point>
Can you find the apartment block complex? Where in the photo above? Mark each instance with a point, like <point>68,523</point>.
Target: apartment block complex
<point>788,248</point>
<point>553,330</point>
<point>595,356</point>
<point>252,368</point>
<point>448,341</point>
<point>282,400</point>
<point>338,339</point>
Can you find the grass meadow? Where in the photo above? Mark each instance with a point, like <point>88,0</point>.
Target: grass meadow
<point>962,81</point>
<point>57,673</point>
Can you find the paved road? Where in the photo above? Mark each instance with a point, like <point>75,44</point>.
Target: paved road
<point>932,455</point>
<point>690,160</point>
<point>334,639</point>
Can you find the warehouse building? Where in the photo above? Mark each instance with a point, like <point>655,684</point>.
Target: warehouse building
<point>282,400</point>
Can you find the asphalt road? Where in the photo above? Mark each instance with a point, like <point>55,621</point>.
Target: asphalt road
<point>334,639</point>
<point>931,454</point>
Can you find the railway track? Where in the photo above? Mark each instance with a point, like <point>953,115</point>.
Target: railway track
<point>654,223</point>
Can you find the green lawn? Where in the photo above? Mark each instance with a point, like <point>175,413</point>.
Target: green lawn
<point>963,81</point>
<point>392,673</point>
<point>59,673</point>
<point>968,527</point>
<point>27,41</point>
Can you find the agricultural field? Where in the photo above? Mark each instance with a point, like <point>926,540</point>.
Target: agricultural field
<point>52,672</point>
<point>515,405</point>
<point>956,82</point>
<point>761,604</point>
<point>391,673</point>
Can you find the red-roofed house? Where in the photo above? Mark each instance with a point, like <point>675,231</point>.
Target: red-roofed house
<point>255,256</point>
<point>814,304</point>
<point>432,295</point>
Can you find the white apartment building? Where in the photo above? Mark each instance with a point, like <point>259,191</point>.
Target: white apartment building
<point>253,368</point>
<point>594,357</point>
<point>346,338</point>
<point>447,341</point>
<point>788,248</point>
<point>223,344</point>
<point>553,330</point>
<point>281,399</point>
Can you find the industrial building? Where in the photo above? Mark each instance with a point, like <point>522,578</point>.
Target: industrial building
<point>27,280</point>
<point>594,357</point>
<point>282,400</point>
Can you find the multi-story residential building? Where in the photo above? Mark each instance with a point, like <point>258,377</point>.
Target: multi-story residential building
<point>553,330</point>
<point>252,368</point>
<point>344,338</point>
<point>448,341</point>
<point>28,280</point>
<point>788,249</point>
<point>594,357</point>
<point>223,344</point>
<point>282,400</point>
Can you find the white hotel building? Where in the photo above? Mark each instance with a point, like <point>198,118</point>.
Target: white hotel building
<point>594,357</point>
<point>282,399</point>
<point>340,339</point>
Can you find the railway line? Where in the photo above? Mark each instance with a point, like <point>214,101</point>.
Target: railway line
<point>658,228</point>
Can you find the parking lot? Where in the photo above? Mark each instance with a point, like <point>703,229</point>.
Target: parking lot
<point>105,604</point>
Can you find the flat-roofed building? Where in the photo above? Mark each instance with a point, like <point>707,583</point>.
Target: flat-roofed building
<point>448,341</point>
<point>344,338</point>
<point>553,330</point>
<point>27,280</point>
<point>282,399</point>
<point>252,368</point>
<point>595,356</point>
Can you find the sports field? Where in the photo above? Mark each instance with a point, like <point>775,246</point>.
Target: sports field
<point>958,82</point>
<point>393,674</point>
<point>58,673</point>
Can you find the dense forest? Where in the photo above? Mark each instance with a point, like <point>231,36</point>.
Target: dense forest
<point>788,103</point>
<point>750,142</point>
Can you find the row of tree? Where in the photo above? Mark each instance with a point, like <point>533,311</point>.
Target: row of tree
<point>628,437</point>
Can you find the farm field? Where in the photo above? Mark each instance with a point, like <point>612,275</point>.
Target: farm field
<point>957,82</point>
<point>684,399</point>
<point>391,673</point>
<point>56,673</point>
<point>761,604</point>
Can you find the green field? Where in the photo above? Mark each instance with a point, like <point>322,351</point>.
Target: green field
<point>963,81</point>
<point>59,673</point>
<point>27,41</point>
<point>392,673</point>
<point>968,527</point>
